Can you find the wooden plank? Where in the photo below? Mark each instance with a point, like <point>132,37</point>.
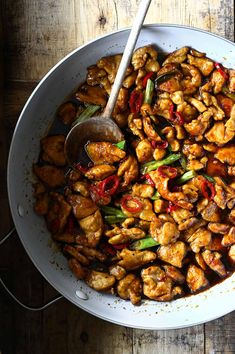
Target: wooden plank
<point>220,335</point>
<point>183,341</point>
<point>39,33</point>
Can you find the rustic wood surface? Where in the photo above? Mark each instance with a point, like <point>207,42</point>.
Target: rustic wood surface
<point>35,35</point>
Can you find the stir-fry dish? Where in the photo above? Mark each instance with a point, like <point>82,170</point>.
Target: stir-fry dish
<point>153,216</point>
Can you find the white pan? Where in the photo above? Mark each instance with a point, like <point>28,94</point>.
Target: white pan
<point>33,124</point>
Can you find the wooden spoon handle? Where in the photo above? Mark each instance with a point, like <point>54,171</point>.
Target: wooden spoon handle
<point>134,34</point>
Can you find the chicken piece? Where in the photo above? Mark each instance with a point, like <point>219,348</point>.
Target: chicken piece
<point>161,184</point>
<point>129,80</point>
<point>196,279</point>
<point>144,56</point>
<point>205,65</point>
<point>174,274</point>
<point>58,213</point>
<point>177,97</point>
<point>52,176</point>
<point>99,172</point>
<point>232,216</point>
<point>104,153</point>
<point>231,254</point>
<point>144,151</point>
<point>157,285</point>
<point>196,165</point>
<point>188,224</point>
<point>200,238</point>
<point>200,261</point>
<point>42,204</point>
<point>158,154</point>
<point>92,225</point>
<point>129,170</point>
<point>224,193</point>
<point>197,104</point>
<point>130,287</point>
<point>79,271</point>
<point>82,206</point>
<point>143,190</point>
<point>188,111</point>
<point>173,253</point>
<point>211,212</point>
<point>131,260</point>
<point>231,170</point>
<point>193,150</point>
<point>213,261</point>
<point>162,107</point>
<point>219,134</point>
<point>110,64</point>
<point>95,75</point>
<point>117,271</point>
<point>82,188</point>
<point>73,252</point>
<point>190,192</point>
<point>128,222</point>
<point>149,130</point>
<point>180,215</point>
<point>91,253</point>
<point>39,189</point>
<point>226,154</point>
<point>67,112</point>
<point>135,125</point>
<point>160,206</point>
<point>225,103</point>
<point>217,81</point>
<point>169,132</point>
<point>192,79</point>
<point>163,232</point>
<point>92,95</point>
<point>231,85</point>
<point>218,228</point>
<point>198,126</point>
<point>146,213</point>
<point>229,238</point>
<point>53,149</point>
<point>100,281</point>
<point>65,237</point>
<point>120,235</point>
<point>178,56</point>
<point>122,100</point>
<point>173,84</point>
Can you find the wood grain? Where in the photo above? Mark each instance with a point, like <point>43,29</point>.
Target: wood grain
<point>37,33</point>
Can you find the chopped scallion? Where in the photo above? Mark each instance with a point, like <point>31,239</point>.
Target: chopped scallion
<point>87,113</point>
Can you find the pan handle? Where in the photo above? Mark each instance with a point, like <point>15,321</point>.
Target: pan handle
<point>26,307</point>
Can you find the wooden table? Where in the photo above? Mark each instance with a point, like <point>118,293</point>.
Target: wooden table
<point>36,34</point>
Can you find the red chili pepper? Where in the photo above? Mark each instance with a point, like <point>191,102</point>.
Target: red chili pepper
<point>220,69</point>
<point>128,198</point>
<point>148,179</point>
<point>81,168</point>
<point>171,207</point>
<point>161,145</point>
<point>109,185</point>
<point>121,246</point>
<point>135,101</point>
<point>176,117</point>
<point>208,190</point>
<point>167,171</point>
<point>145,79</point>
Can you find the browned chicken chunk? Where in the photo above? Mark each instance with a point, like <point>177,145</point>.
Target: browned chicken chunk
<point>92,225</point>
<point>53,149</point>
<point>100,281</point>
<point>196,279</point>
<point>58,213</point>
<point>213,261</point>
<point>130,287</point>
<point>104,153</point>
<point>82,207</point>
<point>135,259</point>
<point>173,253</point>
<point>100,172</point>
<point>52,176</point>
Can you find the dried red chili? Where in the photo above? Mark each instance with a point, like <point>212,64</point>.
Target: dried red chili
<point>208,190</point>
<point>159,145</point>
<point>135,101</point>
<point>109,185</point>
<point>167,171</point>
<point>147,76</point>
<point>171,207</point>
<point>220,69</point>
<point>132,209</point>
<point>147,178</point>
<point>176,117</point>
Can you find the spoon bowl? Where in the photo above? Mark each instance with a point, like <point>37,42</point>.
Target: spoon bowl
<point>94,129</point>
